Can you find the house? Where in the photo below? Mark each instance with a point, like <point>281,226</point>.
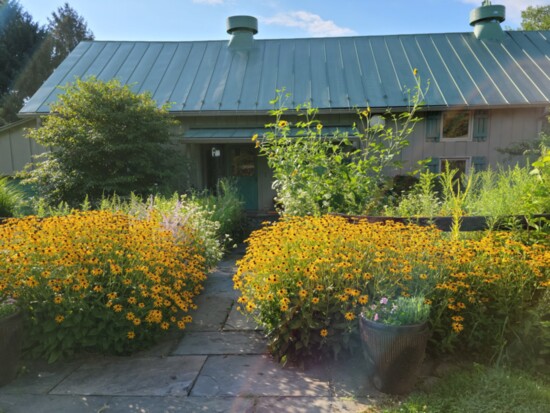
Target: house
<point>489,89</point>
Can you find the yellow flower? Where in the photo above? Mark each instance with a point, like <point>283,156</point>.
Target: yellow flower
<point>59,319</point>
<point>131,335</point>
<point>117,308</point>
<point>58,299</point>
<point>457,327</point>
<point>319,127</point>
<point>165,325</point>
<point>283,124</point>
<point>349,316</point>
<point>136,321</point>
<point>315,300</point>
<point>323,332</point>
<point>415,71</point>
<point>254,137</point>
<point>363,300</point>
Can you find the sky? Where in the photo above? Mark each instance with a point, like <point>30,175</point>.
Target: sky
<point>181,20</point>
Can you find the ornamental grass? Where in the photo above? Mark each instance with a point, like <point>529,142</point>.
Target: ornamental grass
<point>305,280</point>
<point>97,281</point>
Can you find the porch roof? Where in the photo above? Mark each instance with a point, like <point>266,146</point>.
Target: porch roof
<point>244,135</point>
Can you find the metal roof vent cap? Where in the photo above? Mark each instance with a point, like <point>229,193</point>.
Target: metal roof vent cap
<point>486,21</point>
<point>242,30</point>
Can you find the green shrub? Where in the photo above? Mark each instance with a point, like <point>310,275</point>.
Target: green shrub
<point>227,209</point>
<point>97,281</point>
<point>11,198</point>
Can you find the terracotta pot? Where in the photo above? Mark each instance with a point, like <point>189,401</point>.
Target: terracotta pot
<point>394,354</point>
<point>11,341</point>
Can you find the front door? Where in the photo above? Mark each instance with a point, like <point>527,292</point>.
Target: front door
<point>243,168</point>
<point>238,162</point>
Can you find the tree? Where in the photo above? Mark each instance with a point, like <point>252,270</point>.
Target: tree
<point>20,38</point>
<point>65,30</point>
<point>46,50</point>
<point>536,18</point>
<point>107,140</point>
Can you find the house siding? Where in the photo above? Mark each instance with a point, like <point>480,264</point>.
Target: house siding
<point>15,149</point>
<point>506,128</point>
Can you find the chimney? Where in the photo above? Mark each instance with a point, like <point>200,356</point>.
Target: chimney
<point>486,21</point>
<point>242,30</point>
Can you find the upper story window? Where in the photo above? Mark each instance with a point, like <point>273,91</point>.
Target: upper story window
<point>455,125</point>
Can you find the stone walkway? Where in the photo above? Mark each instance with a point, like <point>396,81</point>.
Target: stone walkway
<point>219,365</point>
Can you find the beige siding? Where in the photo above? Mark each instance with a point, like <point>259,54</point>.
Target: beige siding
<point>507,127</point>
<point>15,149</point>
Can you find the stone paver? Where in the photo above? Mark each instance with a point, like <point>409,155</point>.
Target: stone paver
<point>151,376</point>
<point>211,314</point>
<point>258,376</point>
<point>180,404</point>
<point>238,321</point>
<point>216,342</point>
<point>53,404</point>
<point>350,377</point>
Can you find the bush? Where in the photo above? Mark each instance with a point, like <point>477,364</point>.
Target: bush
<point>227,209</point>
<point>306,279</point>
<point>97,281</point>
<point>11,198</point>
<point>174,214</point>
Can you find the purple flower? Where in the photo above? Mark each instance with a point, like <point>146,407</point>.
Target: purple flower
<point>384,300</point>
<point>376,317</point>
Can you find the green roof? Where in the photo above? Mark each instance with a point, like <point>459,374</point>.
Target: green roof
<point>331,73</point>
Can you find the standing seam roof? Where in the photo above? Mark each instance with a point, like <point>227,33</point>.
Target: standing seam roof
<point>330,73</point>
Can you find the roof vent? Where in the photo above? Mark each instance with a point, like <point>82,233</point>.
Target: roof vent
<point>486,21</point>
<point>242,30</point>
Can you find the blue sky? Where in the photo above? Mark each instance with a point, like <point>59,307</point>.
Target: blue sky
<point>205,19</point>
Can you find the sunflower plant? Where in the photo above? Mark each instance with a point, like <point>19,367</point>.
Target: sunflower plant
<point>97,281</point>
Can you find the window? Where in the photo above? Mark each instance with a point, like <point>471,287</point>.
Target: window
<point>455,125</point>
<point>462,164</point>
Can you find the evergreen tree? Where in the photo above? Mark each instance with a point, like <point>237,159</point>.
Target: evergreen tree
<point>20,38</point>
<point>43,53</point>
<point>65,30</point>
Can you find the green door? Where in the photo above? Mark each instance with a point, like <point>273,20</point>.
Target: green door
<point>244,170</point>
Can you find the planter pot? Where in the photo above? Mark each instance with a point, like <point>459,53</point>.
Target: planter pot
<point>11,341</point>
<point>394,354</point>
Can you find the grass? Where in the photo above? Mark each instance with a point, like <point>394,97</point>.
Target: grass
<point>479,389</point>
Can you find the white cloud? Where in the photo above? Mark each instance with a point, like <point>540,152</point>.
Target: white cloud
<point>209,1</point>
<point>513,7</point>
<point>313,24</point>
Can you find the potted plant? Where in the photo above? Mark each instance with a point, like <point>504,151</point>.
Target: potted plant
<point>11,336</point>
<point>394,334</point>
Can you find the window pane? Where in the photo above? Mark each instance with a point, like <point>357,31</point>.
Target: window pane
<point>459,164</point>
<point>455,124</point>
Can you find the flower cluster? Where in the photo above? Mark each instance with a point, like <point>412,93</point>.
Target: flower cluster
<point>306,280</point>
<point>398,312</point>
<point>97,280</point>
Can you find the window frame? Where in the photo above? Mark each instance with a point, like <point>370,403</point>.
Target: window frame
<point>468,160</point>
<point>465,138</point>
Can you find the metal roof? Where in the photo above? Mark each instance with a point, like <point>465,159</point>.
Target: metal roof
<point>331,73</point>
